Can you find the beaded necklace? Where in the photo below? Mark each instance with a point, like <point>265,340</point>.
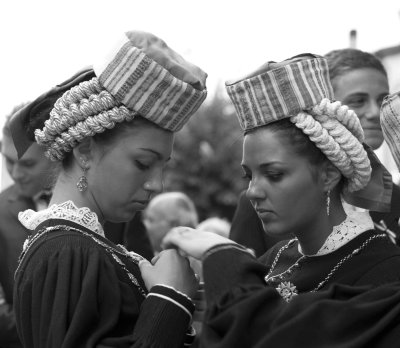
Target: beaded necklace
<point>114,252</point>
<point>287,289</point>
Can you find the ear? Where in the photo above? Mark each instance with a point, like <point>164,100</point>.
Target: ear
<point>83,153</point>
<point>331,177</point>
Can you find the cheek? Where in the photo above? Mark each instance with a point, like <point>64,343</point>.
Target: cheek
<point>297,197</point>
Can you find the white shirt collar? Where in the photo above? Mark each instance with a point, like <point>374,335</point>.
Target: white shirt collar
<point>30,219</point>
<point>356,222</point>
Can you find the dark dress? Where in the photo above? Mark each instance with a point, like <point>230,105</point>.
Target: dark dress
<point>244,312</point>
<point>131,234</point>
<point>376,263</point>
<point>12,237</point>
<point>77,289</point>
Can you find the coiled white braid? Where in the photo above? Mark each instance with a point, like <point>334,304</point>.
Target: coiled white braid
<point>337,132</point>
<point>81,112</point>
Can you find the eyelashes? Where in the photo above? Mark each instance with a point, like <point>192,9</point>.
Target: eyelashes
<point>142,166</point>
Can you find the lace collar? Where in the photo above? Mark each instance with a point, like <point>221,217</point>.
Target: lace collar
<point>30,219</point>
<point>355,223</point>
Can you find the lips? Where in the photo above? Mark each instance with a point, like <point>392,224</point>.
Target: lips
<point>143,202</point>
<point>263,211</point>
<point>371,126</point>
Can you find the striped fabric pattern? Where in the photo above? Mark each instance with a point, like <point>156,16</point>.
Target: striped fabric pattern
<point>390,122</point>
<point>147,88</point>
<point>280,92</point>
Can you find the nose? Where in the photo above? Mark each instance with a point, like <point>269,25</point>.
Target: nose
<point>16,172</point>
<point>373,111</point>
<point>155,182</point>
<point>255,190</point>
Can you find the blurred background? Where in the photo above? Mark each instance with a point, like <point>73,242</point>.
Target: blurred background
<point>44,42</point>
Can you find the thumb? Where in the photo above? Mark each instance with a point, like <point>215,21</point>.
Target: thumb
<point>144,264</point>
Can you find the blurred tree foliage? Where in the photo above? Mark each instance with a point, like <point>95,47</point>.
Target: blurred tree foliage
<point>206,159</point>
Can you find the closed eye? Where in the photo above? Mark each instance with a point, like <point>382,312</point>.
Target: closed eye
<point>142,166</point>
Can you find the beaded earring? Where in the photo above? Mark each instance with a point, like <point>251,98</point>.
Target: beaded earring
<point>82,183</point>
<point>328,201</point>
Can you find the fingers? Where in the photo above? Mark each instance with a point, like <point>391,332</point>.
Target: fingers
<point>175,236</point>
<point>144,264</point>
<point>155,259</point>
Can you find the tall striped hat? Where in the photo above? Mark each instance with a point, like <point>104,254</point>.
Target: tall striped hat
<point>151,79</point>
<point>390,122</point>
<point>280,90</point>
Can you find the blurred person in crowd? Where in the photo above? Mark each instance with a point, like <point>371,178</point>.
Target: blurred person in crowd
<point>215,224</point>
<point>303,154</point>
<point>165,211</point>
<point>32,176</point>
<point>360,81</point>
<point>8,332</point>
<point>112,131</point>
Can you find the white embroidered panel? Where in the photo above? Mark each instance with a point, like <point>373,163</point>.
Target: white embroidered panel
<point>67,211</point>
<point>355,223</point>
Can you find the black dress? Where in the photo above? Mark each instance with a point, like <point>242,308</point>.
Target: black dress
<point>350,310</point>
<point>369,259</point>
<point>74,288</point>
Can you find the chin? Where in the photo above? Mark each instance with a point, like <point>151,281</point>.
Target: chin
<point>374,141</point>
<point>274,230</point>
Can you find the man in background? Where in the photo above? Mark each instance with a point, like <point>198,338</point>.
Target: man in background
<point>31,177</point>
<point>165,211</point>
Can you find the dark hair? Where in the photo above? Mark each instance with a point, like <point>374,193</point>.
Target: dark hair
<point>301,143</point>
<point>347,59</point>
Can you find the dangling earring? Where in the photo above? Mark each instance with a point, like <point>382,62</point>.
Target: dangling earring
<point>328,201</point>
<point>82,183</point>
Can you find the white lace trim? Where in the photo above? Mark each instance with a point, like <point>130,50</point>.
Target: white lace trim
<point>355,223</point>
<point>67,211</point>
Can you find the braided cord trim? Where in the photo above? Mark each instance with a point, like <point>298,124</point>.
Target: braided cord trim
<point>337,132</point>
<point>81,112</point>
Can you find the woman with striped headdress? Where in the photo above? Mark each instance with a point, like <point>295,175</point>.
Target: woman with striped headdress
<point>111,129</point>
<point>303,154</point>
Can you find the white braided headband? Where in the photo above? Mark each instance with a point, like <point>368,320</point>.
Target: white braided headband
<point>337,132</point>
<point>81,112</point>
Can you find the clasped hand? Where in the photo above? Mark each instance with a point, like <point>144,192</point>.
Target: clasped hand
<point>171,269</point>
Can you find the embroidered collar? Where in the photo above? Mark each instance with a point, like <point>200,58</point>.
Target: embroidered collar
<point>30,219</point>
<point>355,223</point>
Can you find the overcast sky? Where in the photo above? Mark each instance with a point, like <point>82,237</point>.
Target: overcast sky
<point>43,42</point>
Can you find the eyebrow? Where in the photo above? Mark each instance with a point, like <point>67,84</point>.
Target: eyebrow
<point>158,155</point>
<point>355,94</point>
<point>264,165</point>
